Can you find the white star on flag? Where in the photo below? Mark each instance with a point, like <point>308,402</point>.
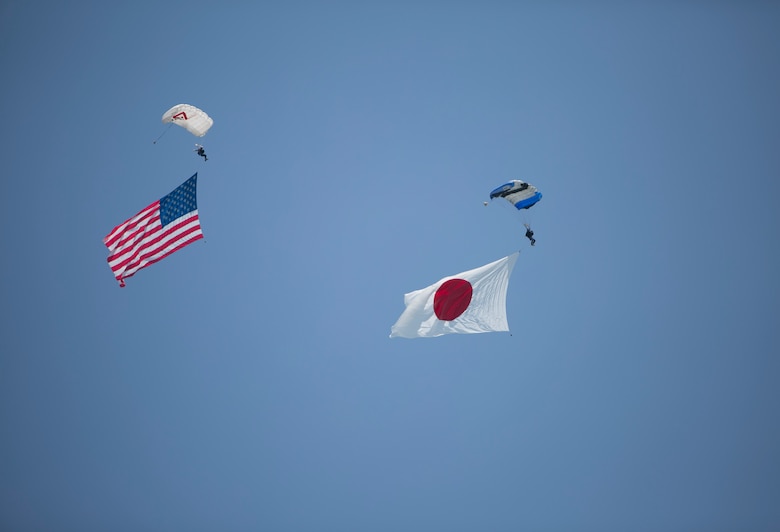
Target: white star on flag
<point>468,302</point>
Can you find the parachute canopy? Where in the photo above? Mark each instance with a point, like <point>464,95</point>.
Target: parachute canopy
<point>518,193</point>
<point>189,117</point>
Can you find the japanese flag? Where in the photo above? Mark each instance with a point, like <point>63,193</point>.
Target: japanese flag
<point>469,302</point>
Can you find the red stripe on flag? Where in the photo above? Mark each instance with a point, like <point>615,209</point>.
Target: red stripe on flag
<point>138,238</point>
<point>154,239</point>
<point>177,248</point>
<point>123,228</point>
<point>161,242</point>
<point>142,241</point>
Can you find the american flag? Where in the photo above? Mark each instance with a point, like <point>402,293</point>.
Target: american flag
<point>165,226</point>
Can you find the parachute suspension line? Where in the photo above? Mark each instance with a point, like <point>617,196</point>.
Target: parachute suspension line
<point>163,133</point>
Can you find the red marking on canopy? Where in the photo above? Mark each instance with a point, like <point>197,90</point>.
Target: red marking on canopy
<point>180,116</point>
<point>452,299</point>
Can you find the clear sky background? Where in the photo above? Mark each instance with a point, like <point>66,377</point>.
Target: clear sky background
<point>247,382</point>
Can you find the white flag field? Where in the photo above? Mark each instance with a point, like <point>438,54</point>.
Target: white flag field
<point>469,302</point>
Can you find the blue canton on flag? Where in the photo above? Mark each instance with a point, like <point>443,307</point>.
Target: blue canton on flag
<point>179,202</point>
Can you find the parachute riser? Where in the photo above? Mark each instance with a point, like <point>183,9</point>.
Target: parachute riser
<point>163,133</point>
<point>525,216</point>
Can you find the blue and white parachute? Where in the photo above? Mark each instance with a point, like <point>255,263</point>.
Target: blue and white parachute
<point>519,193</point>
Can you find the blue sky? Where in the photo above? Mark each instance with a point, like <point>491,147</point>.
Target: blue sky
<point>247,382</point>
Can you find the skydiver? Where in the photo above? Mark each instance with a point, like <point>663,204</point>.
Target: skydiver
<point>529,234</point>
<point>200,151</point>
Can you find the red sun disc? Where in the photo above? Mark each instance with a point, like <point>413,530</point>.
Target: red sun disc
<point>452,299</point>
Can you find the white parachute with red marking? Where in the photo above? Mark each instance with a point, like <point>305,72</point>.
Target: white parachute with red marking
<point>194,120</point>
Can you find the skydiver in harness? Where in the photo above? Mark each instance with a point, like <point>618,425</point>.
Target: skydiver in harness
<point>200,151</point>
<point>529,234</point>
